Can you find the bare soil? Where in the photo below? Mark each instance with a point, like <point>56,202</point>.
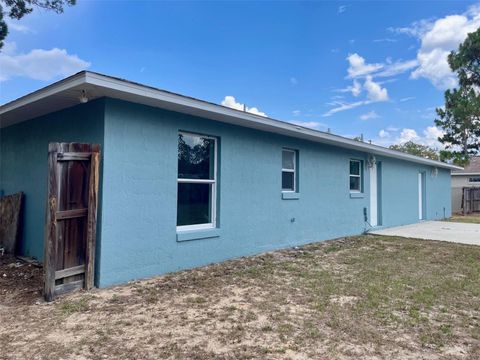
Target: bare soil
<point>356,298</point>
<point>20,282</point>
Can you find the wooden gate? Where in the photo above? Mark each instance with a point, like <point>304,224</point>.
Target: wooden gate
<point>71,219</point>
<point>471,200</point>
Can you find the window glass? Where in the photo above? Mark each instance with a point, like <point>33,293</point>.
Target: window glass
<point>354,167</point>
<point>355,175</point>
<point>194,204</point>
<point>474,180</point>
<point>288,182</point>
<point>354,183</point>
<point>288,159</point>
<point>196,182</point>
<point>195,157</point>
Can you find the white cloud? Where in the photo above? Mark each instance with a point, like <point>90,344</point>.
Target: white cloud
<point>407,99</point>
<point>385,40</point>
<point>340,106</point>
<point>374,91</point>
<point>416,29</point>
<point>342,9</point>
<point>16,26</point>
<point>407,135</point>
<point>383,134</point>
<point>438,38</point>
<point>230,102</point>
<point>370,115</point>
<point>39,64</point>
<point>429,136</point>
<point>355,88</point>
<point>398,67</point>
<point>358,67</point>
<point>296,112</point>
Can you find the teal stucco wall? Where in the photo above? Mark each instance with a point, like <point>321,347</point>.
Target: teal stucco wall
<point>23,161</point>
<point>138,233</point>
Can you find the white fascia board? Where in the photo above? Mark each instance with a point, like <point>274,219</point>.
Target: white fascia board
<point>216,112</point>
<point>62,85</point>
<point>465,174</point>
<point>255,121</point>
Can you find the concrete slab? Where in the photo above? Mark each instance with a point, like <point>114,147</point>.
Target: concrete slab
<point>436,230</point>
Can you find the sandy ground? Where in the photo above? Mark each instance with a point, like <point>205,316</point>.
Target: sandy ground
<point>356,298</point>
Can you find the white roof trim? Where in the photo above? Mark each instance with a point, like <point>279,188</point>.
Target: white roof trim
<point>465,174</point>
<point>125,90</point>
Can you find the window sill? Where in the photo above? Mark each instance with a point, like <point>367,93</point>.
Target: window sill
<point>188,235</point>
<point>355,195</point>
<point>290,196</point>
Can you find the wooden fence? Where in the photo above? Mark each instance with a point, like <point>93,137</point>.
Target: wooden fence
<point>471,200</point>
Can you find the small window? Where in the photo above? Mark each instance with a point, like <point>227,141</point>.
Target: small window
<point>474,180</point>
<point>289,171</point>
<point>355,176</point>
<point>197,181</point>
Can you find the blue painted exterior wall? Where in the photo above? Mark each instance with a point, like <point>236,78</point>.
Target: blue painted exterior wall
<point>23,161</point>
<point>138,234</point>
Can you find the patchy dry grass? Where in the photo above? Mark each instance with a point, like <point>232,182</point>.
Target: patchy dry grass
<point>362,297</point>
<point>471,218</point>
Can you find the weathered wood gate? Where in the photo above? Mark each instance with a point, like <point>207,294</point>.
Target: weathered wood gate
<point>71,218</point>
<point>471,200</point>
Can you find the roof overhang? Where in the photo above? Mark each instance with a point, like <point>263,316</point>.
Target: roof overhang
<point>67,92</point>
<point>465,174</point>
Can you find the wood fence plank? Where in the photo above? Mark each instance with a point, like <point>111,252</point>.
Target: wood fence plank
<point>92,218</point>
<point>51,225</point>
<point>68,287</point>
<point>69,214</point>
<point>80,269</point>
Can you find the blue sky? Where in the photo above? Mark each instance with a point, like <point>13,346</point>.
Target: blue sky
<point>376,68</point>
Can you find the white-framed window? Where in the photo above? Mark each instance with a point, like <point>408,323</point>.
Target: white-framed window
<point>356,175</point>
<point>289,170</point>
<point>474,180</point>
<point>196,181</point>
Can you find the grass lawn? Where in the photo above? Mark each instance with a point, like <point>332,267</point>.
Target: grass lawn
<point>472,218</point>
<point>356,298</point>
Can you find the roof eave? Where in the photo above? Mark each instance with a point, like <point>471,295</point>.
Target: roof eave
<point>217,112</point>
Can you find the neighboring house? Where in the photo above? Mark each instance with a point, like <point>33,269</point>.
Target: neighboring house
<point>186,183</point>
<point>468,177</point>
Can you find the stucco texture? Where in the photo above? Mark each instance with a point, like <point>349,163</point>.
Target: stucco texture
<point>139,237</point>
<point>23,162</point>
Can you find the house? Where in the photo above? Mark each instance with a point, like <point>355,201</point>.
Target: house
<point>186,182</point>
<point>468,177</point>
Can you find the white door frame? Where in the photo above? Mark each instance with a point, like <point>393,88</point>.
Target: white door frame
<point>420,196</point>
<point>373,194</point>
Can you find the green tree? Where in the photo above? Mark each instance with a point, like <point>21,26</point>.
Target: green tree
<point>460,117</point>
<point>17,9</point>
<point>417,149</point>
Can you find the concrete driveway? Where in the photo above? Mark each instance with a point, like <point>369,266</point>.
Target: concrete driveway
<point>436,230</point>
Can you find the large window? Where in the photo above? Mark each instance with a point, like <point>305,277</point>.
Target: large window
<point>197,181</point>
<point>355,175</point>
<point>289,170</point>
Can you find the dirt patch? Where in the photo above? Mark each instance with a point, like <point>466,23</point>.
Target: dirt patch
<point>362,297</point>
<point>20,282</point>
